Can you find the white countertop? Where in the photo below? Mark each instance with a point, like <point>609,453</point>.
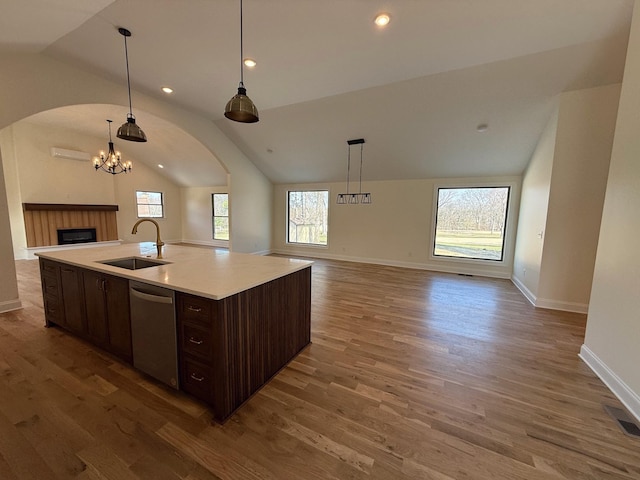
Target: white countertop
<point>206,272</point>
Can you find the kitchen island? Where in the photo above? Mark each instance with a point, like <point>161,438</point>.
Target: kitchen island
<point>240,317</point>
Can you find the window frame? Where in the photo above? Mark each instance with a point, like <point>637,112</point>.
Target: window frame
<point>508,244</point>
<point>162,204</point>
<point>287,212</point>
<point>214,216</point>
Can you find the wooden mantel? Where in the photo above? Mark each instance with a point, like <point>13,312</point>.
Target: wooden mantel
<point>42,221</point>
<point>68,207</point>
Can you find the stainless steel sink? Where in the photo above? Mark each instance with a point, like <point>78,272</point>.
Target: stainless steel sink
<point>133,263</point>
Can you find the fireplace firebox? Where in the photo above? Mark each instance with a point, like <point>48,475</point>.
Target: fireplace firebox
<point>68,236</point>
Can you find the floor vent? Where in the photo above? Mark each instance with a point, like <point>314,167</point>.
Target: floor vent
<point>626,422</point>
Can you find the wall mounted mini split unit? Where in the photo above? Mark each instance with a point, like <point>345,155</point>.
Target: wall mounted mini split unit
<point>57,152</point>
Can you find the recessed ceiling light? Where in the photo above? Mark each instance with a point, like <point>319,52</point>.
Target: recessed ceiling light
<point>167,89</point>
<point>160,166</point>
<point>382,19</point>
<point>250,62</point>
<point>483,127</point>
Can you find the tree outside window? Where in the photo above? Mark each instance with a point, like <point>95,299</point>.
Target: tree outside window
<point>470,222</point>
<point>149,204</point>
<point>308,213</point>
<point>220,203</point>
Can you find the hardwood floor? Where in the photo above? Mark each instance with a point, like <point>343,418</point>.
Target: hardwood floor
<point>411,375</point>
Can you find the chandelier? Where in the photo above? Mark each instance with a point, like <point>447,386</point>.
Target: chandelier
<point>110,162</point>
<point>354,198</point>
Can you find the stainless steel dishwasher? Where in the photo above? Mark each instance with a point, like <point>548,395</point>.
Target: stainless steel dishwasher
<point>153,331</point>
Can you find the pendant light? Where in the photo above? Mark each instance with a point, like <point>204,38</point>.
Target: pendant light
<point>354,198</point>
<point>240,108</point>
<point>129,130</point>
<point>111,162</point>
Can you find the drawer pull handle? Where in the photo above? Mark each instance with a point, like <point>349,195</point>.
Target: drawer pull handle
<point>194,309</point>
<point>197,342</point>
<point>196,378</point>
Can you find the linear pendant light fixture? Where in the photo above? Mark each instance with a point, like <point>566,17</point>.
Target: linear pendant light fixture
<point>354,198</point>
<point>129,130</point>
<point>111,162</point>
<point>240,108</point>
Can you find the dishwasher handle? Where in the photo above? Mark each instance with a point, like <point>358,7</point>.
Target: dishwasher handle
<point>150,298</point>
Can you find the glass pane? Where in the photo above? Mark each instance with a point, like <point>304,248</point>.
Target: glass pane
<point>155,211</point>
<point>149,204</point>
<point>308,217</point>
<point>149,197</point>
<point>221,228</point>
<point>220,205</point>
<point>470,222</point>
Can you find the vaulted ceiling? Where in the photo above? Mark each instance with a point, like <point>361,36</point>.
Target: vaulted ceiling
<point>416,90</point>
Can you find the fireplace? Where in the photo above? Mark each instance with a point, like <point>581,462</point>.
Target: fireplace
<point>68,236</point>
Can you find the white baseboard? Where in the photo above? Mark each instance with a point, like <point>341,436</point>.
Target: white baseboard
<point>564,306</point>
<point>528,294</point>
<point>10,305</point>
<point>548,303</point>
<point>466,270</point>
<point>628,397</point>
<point>207,243</point>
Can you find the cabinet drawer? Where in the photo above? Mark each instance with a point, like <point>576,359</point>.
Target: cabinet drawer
<point>52,310</point>
<point>196,309</point>
<point>48,267</point>
<point>196,340</point>
<point>50,286</point>
<point>197,379</point>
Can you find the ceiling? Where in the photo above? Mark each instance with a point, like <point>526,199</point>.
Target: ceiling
<point>415,91</point>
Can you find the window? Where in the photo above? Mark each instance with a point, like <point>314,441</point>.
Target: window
<point>470,222</point>
<point>220,204</point>
<point>149,204</point>
<point>308,215</point>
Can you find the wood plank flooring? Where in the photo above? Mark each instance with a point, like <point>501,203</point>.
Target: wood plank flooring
<point>411,375</point>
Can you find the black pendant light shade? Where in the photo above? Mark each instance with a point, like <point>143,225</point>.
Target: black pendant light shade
<point>240,108</point>
<point>129,130</point>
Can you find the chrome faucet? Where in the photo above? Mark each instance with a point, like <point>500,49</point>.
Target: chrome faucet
<point>159,243</point>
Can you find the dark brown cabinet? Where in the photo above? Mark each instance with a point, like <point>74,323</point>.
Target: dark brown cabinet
<point>106,300</point>
<point>230,348</point>
<point>51,292</point>
<point>93,305</point>
<point>71,283</point>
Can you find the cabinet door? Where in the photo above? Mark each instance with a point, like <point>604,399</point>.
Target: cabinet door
<point>70,279</point>
<point>94,302</point>
<point>118,316</point>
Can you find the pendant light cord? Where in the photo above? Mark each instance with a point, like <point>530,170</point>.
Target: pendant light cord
<point>348,168</point>
<point>241,49</point>
<point>126,56</point>
<point>361,147</point>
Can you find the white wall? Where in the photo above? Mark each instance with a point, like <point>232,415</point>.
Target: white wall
<point>534,203</point>
<point>9,299</point>
<point>584,140</point>
<point>197,221</point>
<point>143,178</point>
<point>395,229</point>
<point>562,198</point>
<point>613,324</point>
